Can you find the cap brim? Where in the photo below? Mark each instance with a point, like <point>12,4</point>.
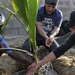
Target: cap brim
<point>69,25</point>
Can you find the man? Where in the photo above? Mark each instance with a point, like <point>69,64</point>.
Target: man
<point>49,19</point>
<point>2,41</point>
<point>58,51</point>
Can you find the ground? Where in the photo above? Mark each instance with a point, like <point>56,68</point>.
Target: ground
<point>64,65</point>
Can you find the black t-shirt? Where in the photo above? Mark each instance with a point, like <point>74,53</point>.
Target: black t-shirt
<point>66,46</point>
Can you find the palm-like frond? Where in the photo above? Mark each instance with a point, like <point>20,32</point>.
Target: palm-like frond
<point>32,20</point>
<point>20,6</point>
<point>4,7</point>
<point>27,11</point>
<point>6,23</point>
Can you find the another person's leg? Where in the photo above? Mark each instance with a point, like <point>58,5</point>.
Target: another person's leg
<point>26,45</point>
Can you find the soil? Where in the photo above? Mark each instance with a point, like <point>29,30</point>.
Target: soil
<point>64,65</point>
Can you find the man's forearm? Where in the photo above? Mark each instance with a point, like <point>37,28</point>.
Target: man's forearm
<point>49,57</point>
<point>42,33</point>
<point>55,32</point>
<point>40,30</point>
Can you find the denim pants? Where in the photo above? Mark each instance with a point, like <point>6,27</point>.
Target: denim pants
<point>26,45</point>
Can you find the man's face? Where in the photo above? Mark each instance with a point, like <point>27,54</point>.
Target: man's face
<point>73,29</point>
<point>50,8</point>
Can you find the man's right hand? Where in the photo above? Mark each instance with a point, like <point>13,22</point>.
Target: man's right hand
<point>48,42</point>
<point>32,68</point>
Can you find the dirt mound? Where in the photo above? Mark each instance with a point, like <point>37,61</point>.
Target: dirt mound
<point>65,65</point>
<point>7,65</point>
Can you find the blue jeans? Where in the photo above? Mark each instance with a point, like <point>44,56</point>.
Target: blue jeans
<point>26,45</point>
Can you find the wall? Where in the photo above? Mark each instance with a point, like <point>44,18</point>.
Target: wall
<point>16,29</point>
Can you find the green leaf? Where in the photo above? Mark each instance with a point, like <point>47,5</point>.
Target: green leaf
<point>27,11</point>
<point>20,6</point>
<point>32,20</point>
<point>6,23</point>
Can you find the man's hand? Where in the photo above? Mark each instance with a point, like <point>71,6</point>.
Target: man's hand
<point>49,41</point>
<point>32,68</point>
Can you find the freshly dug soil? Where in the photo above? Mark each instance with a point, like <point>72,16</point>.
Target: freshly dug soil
<point>64,65</point>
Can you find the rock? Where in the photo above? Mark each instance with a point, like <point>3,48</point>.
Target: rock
<point>7,65</point>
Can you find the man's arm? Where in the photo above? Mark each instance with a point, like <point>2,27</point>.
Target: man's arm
<point>58,51</point>
<point>53,55</point>
<point>34,66</point>
<point>49,57</point>
<point>40,30</point>
<point>54,32</point>
<point>64,47</point>
<point>51,37</point>
<point>4,43</point>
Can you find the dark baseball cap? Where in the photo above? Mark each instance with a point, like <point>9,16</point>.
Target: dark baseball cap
<point>51,2</point>
<point>71,22</point>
